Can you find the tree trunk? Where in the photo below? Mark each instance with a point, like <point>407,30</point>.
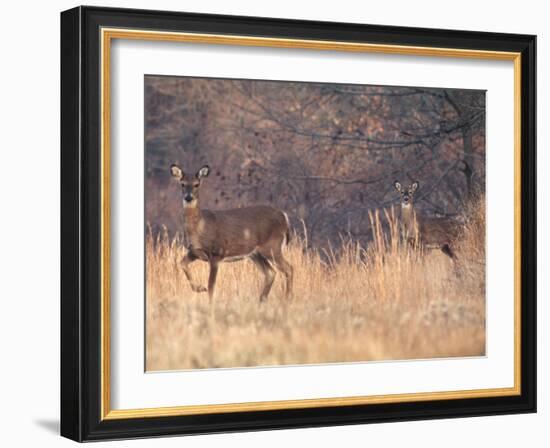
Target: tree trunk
<point>468,170</point>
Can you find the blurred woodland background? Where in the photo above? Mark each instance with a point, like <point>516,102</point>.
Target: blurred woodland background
<point>327,154</point>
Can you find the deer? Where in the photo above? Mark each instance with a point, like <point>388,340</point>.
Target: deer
<point>427,232</point>
<point>256,232</point>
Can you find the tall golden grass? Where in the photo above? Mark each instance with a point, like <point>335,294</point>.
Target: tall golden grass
<point>387,301</point>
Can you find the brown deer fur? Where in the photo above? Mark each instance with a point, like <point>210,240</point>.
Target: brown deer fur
<point>257,233</point>
<point>429,232</point>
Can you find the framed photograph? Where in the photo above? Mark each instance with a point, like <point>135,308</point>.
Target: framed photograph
<point>273,224</point>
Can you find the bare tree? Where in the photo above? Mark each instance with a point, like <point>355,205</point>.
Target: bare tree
<point>325,153</point>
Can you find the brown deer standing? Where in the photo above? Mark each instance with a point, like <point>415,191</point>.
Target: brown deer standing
<point>257,233</point>
<point>429,233</point>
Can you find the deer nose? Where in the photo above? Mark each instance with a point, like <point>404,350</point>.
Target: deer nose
<point>188,198</point>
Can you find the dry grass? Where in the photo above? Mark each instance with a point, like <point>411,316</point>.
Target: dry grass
<point>380,303</point>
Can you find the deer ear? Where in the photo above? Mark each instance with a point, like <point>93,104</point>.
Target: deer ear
<point>414,185</point>
<point>177,172</point>
<point>397,186</point>
<point>203,172</point>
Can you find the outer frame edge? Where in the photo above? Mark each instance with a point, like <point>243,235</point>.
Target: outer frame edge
<point>520,404</point>
<point>71,384</point>
<point>529,220</point>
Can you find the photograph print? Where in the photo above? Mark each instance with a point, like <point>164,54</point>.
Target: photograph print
<point>296,223</point>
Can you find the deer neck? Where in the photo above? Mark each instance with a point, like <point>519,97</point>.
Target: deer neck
<point>408,215</point>
<point>192,218</point>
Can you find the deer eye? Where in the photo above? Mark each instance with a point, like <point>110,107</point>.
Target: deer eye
<point>195,184</point>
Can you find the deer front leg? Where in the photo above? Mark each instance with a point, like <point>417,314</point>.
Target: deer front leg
<point>185,262</point>
<point>212,277</point>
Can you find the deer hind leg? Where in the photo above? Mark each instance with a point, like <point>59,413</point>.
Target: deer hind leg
<point>286,268</point>
<point>185,262</point>
<point>269,273</point>
<point>448,250</point>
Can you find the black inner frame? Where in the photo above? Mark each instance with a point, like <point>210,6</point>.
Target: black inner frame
<point>81,224</point>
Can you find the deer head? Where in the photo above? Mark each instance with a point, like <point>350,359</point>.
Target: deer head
<point>189,185</point>
<point>407,193</point>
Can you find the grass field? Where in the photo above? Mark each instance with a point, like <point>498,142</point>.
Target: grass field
<point>383,302</point>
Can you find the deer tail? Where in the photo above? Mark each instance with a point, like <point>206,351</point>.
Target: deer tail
<point>287,233</point>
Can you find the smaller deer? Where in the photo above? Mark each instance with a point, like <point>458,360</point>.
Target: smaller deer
<point>257,233</point>
<point>428,232</point>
